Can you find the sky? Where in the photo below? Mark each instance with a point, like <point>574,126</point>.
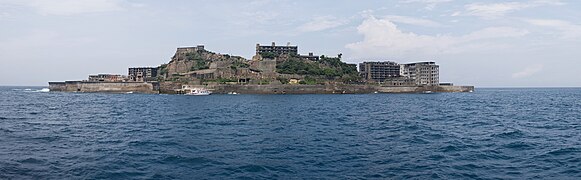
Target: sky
<point>534,43</point>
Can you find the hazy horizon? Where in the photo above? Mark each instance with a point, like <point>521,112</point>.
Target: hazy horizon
<point>487,44</point>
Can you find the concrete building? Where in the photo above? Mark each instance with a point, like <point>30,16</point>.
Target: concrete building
<point>191,49</point>
<point>288,49</point>
<point>379,71</point>
<point>310,56</point>
<point>422,73</point>
<point>107,78</point>
<point>142,74</point>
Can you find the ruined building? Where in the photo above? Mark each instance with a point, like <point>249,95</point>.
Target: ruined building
<point>422,73</point>
<point>392,73</point>
<point>379,71</point>
<point>288,49</point>
<point>142,74</point>
<point>107,78</point>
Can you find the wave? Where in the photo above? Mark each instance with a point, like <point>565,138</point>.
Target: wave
<point>33,90</point>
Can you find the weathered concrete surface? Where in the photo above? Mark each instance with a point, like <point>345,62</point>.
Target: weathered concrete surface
<point>419,89</point>
<point>111,87</point>
<point>170,87</point>
<point>293,89</point>
<point>319,89</point>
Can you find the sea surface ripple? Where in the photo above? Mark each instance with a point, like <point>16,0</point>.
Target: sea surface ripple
<point>488,134</point>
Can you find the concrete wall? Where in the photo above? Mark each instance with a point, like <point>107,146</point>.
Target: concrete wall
<point>419,89</point>
<point>170,87</point>
<point>293,89</point>
<point>332,89</point>
<point>57,86</point>
<point>113,87</point>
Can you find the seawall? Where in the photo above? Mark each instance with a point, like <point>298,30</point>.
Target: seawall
<point>294,89</point>
<point>110,87</point>
<point>420,89</point>
<point>169,87</point>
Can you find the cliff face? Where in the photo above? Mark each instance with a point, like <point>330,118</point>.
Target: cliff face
<point>195,58</point>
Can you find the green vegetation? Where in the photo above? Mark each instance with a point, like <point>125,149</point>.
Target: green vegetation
<point>311,81</point>
<point>239,64</point>
<point>268,55</point>
<point>282,80</point>
<point>346,69</point>
<point>298,66</point>
<point>162,69</point>
<point>330,67</point>
<point>264,82</point>
<point>199,62</point>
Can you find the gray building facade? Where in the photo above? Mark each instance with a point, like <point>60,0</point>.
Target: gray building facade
<point>142,74</point>
<point>422,73</point>
<point>288,49</point>
<point>379,71</point>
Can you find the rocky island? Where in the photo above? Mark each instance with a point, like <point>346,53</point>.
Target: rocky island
<point>272,70</point>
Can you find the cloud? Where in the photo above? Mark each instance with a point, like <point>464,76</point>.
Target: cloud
<point>496,10</point>
<point>67,7</point>
<point>568,30</point>
<point>430,4</point>
<point>4,15</point>
<point>489,11</point>
<point>528,71</point>
<point>413,21</point>
<point>321,23</point>
<point>381,37</point>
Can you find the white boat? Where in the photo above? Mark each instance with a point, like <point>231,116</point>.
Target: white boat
<point>233,93</point>
<point>197,92</point>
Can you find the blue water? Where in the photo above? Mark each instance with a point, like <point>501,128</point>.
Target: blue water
<point>488,134</point>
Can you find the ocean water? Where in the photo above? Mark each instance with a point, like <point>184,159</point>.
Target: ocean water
<point>488,134</point>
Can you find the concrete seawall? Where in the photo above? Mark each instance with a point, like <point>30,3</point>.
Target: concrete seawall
<point>110,87</point>
<point>420,89</point>
<point>320,89</point>
<point>169,88</point>
<point>294,89</point>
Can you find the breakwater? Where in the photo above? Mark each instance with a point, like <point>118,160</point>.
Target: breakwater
<point>110,87</point>
<point>333,89</point>
<point>170,87</point>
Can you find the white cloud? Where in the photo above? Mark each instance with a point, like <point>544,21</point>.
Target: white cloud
<point>4,15</point>
<point>321,23</point>
<point>496,10</point>
<point>430,4</point>
<point>528,71</point>
<point>567,29</point>
<point>489,11</point>
<point>383,38</point>
<point>413,21</point>
<point>67,7</point>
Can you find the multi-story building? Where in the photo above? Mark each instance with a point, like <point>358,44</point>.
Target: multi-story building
<point>142,74</point>
<point>379,71</point>
<point>107,78</point>
<point>310,56</point>
<point>422,73</point>
<point>288,49</point>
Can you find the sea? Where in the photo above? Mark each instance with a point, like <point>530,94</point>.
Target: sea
<point>520,133</point>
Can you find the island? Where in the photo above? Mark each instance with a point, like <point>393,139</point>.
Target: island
<point>274,69</point>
